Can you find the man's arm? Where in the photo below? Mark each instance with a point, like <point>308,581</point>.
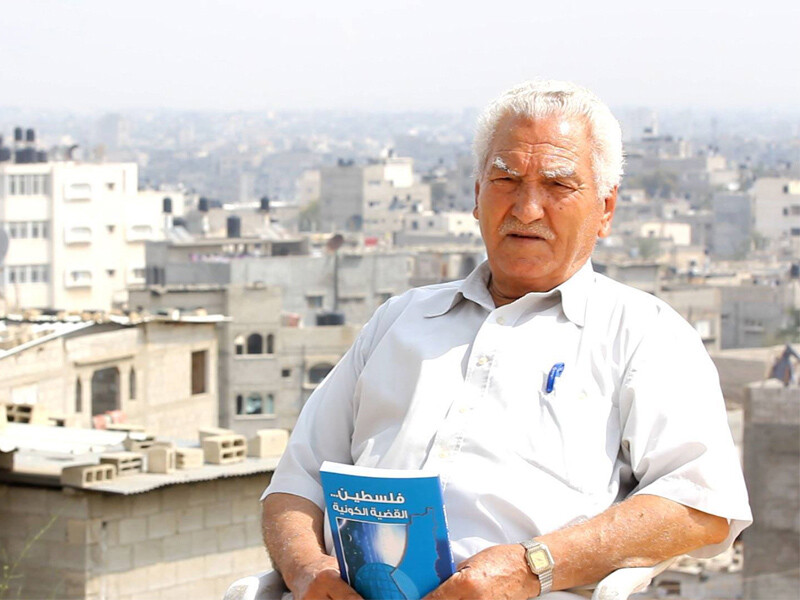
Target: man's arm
<point>641,531</point>
<point>292,529</point>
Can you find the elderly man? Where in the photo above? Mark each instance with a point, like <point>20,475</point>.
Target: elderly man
<point>577,424</point>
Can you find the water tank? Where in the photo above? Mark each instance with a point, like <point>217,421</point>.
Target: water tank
<point>265,203</point>
<point>25,156</point>
<point>168,205</point>
<point>330,318</point>
<point>17,134</point>
<point>41,156</point>
<point>30,136</point>
<point>234,227</point>
<point>202,204</point>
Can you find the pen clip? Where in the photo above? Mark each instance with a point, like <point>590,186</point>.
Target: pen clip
<point>555,371</point>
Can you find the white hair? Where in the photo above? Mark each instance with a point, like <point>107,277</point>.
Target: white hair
<point>543,98</point>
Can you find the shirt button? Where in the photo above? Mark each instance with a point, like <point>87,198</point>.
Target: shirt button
<point>444,454</point>
<point>482,361</point>
<point>463,409</point>
<point>501,321</point>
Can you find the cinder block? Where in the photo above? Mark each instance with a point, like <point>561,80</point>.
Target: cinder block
<point>205,432</point>
<point>138,443</point>
<point>268,442</point>
<point>161,460</point>
<point>127,463</point>
<point>33,414</point>
<point>84,476</point>
<point>224,449</point>
<point>125,427</point>
<point>190,519</point>
<point>132,530</point>
<point>161,525</point>
<point>7,459</point>
<point>188,458</point>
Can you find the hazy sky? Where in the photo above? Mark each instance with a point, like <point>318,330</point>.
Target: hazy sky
<point>405,54</point>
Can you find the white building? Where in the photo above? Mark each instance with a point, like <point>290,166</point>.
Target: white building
<point>76,233</point>
<point>776,213</point>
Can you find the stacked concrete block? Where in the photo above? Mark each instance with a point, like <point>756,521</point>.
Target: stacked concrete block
<point>161,459</point>
<point>125,427</point>
<point>205,432</point>
<point>224,449</point>
<point>126,463</point>
<point>188,458</point>
<point>33,414</point>
<point>138,443</point>
<point>268,442</point>
<point>84,476</point>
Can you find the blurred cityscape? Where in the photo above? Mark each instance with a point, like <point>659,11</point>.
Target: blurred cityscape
<point>174,285</point>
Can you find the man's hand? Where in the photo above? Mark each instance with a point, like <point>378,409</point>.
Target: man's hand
<point>321,581</point>
<point>497,573</point>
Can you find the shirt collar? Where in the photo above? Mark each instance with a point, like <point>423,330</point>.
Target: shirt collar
<point>574,293</point>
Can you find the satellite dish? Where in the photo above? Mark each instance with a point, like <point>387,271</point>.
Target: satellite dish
<point>335,242</point>
<point>3,244</point>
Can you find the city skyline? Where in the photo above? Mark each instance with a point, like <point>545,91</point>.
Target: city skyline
<point>209,55</point>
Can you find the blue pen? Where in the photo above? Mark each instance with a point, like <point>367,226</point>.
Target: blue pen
<point>557,369</point>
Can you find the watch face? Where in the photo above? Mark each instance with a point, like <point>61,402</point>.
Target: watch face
<point>540,560</point>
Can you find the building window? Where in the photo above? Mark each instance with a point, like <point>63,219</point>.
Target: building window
<point>314,301</point>
<point>132,384</point>
<point>270,344</point>
<point>78,395</point>
<point>238,344</point>
<point>286,373</point>
<point>105,390</point>
<point>251,403</point>
<point>318,372</point>
<point>255,343</point>
<point>269,405</point>
<point>199,372</point>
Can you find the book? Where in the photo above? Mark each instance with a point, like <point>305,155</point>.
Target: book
<point>389,530</point>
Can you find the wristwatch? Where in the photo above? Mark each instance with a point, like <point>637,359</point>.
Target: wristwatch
<point>541,563</point>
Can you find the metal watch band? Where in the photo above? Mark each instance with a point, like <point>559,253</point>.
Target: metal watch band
<point>545,576</point>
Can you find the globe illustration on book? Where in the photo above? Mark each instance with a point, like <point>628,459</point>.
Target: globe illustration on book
<point>379,580</point>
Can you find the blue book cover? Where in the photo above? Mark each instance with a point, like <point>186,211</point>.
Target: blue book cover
<point>389,530</point>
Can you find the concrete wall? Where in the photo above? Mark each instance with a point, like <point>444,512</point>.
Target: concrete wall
<point>181,541</point>
<point>158,352</point>
<point>772,471</point>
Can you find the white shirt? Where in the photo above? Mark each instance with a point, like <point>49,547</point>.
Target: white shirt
<point>442,379</point>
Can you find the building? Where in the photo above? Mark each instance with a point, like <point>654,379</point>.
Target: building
<point>268,363</point>
<point>732,228</point>
<point>159,373</point>
<point>776,214</point>
<point>371,198</point>
<point>76,233</point>
<point>771,461</point>
<point>185,533</point>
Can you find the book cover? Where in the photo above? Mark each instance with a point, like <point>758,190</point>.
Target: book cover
<point>389,530</point>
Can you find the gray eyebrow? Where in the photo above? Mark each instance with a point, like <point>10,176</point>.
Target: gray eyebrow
<point>558,172</point>
<point>501,164</point>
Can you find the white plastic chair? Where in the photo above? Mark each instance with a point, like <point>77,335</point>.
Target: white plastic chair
<point>618,585</point>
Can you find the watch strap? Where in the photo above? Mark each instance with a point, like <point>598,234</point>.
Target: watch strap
<point>545,575</point>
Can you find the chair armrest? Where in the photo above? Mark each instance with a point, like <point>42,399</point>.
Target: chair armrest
<point>620,584</point>
<point>267,585</point>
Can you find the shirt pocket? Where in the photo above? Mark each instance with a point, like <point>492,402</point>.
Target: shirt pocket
<point>577,438</point>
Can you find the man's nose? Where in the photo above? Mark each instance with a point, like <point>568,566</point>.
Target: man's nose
<point>528,205</point>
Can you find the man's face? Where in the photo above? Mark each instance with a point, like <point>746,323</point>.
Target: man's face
<point>537,204</point>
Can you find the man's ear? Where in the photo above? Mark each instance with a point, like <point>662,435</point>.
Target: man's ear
<point>609,204</point>
<point>477,191</point>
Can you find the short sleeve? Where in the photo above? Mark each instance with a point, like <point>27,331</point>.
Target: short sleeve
<point>675,429</point>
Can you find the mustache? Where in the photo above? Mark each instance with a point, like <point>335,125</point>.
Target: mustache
<point>515,226</point>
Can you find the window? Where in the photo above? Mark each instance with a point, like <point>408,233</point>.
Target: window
<point>269,405</point>
<point>255,343</point>
<point>132,384</point>
<point>286,373</point>
<point>251,403</point>
<point>199,372</point>
<point>105,390</point>
<point>318,372</point>
<point>314,301</point>
<point>13,230</point>
<point>270,344</point>
<point>238,344</point>
<point>78,395</point>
